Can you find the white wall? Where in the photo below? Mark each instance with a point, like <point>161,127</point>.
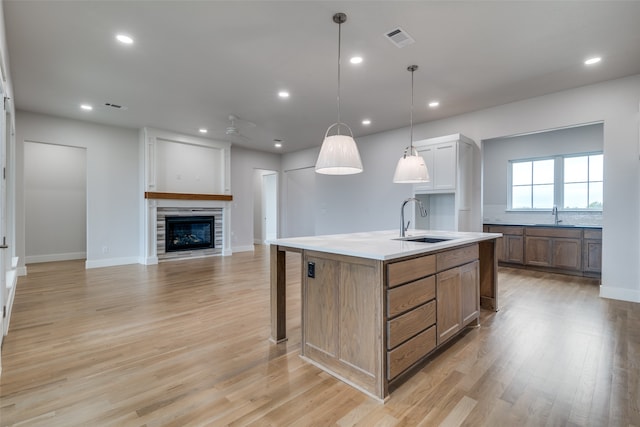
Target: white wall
<point>370,201</point>
<point>188,168</point>
<point>497,153</point>
<point>55,188</point>
<point>363,202</point>
<point>113,189</point>
<point>243,165</point>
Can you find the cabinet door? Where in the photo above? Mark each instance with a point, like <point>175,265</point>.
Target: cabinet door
<point>320,306</point>
<point>449,315</point>
<point>567,254</point>
<point>538,251</point>
<point>445,165</point>
<point>427,155</point>
<point>592,256</point>
<point>470,288</point>
<point>514,249</point>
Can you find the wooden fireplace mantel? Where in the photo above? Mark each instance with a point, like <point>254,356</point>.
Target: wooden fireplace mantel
<point>187,196</point>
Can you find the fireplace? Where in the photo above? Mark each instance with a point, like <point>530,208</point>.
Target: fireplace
<point>186,233</point>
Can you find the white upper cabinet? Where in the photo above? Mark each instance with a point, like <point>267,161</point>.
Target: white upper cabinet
<point>444,157</point>
<point>450,196</point>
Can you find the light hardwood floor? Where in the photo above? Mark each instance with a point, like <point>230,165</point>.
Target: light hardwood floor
<point>185,343</point>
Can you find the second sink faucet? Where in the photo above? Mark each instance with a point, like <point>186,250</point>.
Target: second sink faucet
<point>554,212</point>
<point>423,213</point>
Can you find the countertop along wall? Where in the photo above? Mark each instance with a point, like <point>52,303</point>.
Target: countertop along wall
<point>371,201</point>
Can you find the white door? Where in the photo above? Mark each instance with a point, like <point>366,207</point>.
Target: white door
<point>4,252</point>
<point>270,206</point>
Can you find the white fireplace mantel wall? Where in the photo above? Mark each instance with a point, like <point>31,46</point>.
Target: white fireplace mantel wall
<point>175,163</point>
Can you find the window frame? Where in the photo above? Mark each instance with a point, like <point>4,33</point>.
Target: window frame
<point>558,182</point>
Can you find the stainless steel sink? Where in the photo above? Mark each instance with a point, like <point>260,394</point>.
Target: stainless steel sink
<point>425,239</point>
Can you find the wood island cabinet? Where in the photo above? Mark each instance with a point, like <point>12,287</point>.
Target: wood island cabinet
<point>370,321</point>
<point>449,288</point>
<point>439,305</point>
<point>341,306</point>
<point>470,296</point>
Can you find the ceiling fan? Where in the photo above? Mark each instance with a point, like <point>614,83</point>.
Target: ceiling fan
<point>233,131</point>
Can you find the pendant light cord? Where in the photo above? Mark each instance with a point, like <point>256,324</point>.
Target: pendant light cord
<point>339,38</point>
<point>411,120</point>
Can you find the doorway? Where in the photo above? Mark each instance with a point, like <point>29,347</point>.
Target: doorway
<point>265,206</point>
<point>55,184</point>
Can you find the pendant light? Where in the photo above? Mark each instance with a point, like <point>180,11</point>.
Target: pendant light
<point>411,167</point>
<point>339,153</point>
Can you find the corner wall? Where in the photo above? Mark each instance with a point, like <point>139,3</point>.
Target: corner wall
<point>112,184</point>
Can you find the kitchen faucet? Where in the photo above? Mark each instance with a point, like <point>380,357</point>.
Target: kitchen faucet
<point>554,212</point>
<point>423,213</point>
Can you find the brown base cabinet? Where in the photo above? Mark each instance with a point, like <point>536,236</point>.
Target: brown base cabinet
<point>592,251</point>
<point>571,250</point>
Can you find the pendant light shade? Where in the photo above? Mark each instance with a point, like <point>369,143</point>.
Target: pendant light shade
<point>411,168</point>
<point>339,153</point>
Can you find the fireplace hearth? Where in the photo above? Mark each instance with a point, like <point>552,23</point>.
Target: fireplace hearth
<point>186,233</point>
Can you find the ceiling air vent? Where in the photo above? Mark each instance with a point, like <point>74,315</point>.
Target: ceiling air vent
<point>115,106</point>
<point>399,37</point>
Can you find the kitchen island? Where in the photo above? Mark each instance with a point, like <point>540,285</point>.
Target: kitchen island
<point>375,305</point>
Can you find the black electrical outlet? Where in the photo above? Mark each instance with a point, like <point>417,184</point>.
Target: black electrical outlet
<point>311,269</point>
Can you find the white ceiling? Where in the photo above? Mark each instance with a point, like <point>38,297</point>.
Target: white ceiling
<point>195,62</point>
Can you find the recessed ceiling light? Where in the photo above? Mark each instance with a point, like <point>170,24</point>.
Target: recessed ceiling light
<point>124,39</point>
<point>283,94</point>
<point>434,104</point>
<point>593,60</point>
<point>202,130</point>
<point>278,145</point>
<point>86,107</point>
<point>356,60</point>
<point>366,122</point>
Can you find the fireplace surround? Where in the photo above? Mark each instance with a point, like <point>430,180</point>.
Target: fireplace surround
<point>184,216</point>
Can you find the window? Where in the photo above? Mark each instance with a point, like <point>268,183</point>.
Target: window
<point>532,184</point>
<point>579,178</point>
<point>583,182</point>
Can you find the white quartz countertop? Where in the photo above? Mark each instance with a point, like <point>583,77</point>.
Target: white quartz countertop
<point>382,245</point>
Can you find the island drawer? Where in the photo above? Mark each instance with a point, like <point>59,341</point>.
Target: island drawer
<point>405,355</point>
<point>409,324</point>
<point>410,270</point>
<point>456,257</point>
<point>406,297</point>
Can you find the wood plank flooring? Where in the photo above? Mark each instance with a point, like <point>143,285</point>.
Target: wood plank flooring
<point>185,343</point>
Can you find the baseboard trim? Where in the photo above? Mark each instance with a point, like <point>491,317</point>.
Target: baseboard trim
<point>34,259</point>
<point>111,262</point>
<point>249,248</point>
<point>623,294</point>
